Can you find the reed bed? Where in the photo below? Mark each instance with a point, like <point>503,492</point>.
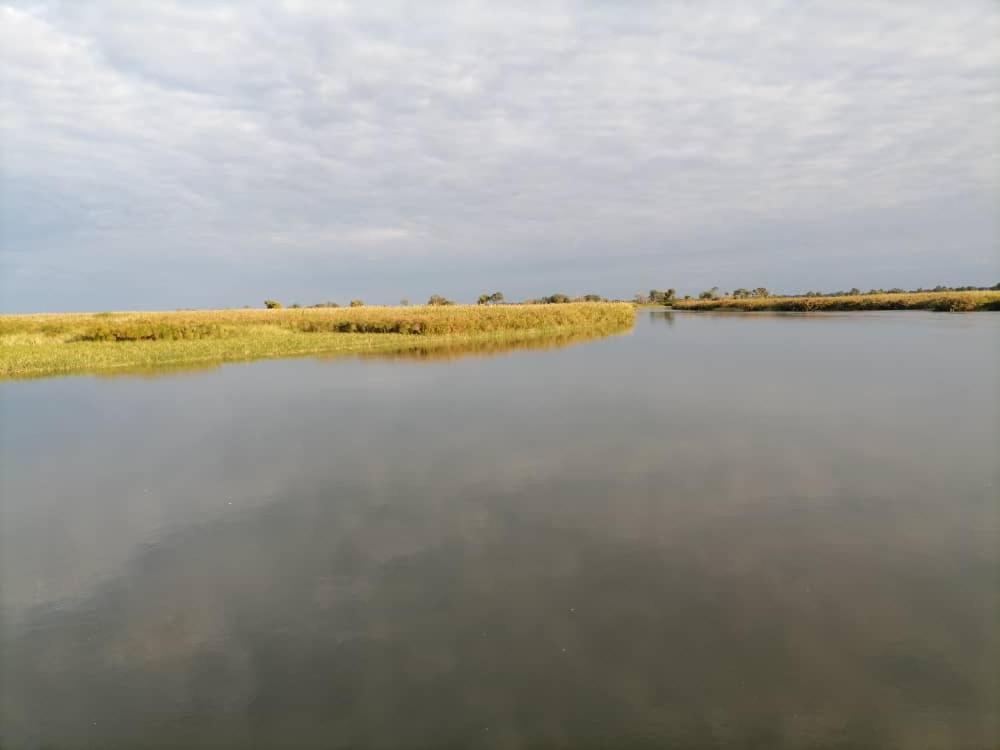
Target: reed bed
<point>37,345</point>
<point>940,301</point>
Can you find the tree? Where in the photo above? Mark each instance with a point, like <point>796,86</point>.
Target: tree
<point>496,298</point>
<point>555,299</point>
<point>272,304</point>
<point>295,306</point>
<point>741,293</point>
<point>712,293</point>
<point>404,302</point>
<point>760,292</point>
<point>854,291</point>
<point>437,299</point>
<point>592,298</point>
<point>357,303</point>
<point>659,297</point>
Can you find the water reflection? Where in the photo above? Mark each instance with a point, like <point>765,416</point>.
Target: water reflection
<point>418,349</point>
<point>531,551</point>
<point>490,347</point>
<point>662,316</point>
<point>340,620</point>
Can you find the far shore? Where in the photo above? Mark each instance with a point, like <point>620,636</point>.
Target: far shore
<point>952,301</point>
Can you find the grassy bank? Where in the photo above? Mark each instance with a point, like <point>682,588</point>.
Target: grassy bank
<point>46,344</point>
<point>941,301</point>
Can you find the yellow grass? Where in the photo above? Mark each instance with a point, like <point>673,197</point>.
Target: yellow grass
<point>45,344</point>
<point>941,301</point>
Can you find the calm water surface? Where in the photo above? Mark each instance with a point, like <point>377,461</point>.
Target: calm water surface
<point>766,531</point>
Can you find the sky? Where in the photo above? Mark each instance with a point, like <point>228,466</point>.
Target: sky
<point>198,153</point>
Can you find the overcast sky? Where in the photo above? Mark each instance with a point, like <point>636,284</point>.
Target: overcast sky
<point>197,153</point>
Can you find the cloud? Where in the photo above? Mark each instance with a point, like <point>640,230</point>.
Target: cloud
<point>440,145</point>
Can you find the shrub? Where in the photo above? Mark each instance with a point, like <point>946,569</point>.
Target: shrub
<point>437,299</point>
<point>272,304</point>
<point>357,303</point>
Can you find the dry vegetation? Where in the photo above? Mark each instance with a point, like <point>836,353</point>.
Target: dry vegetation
<point>32,345</point>
<point>955,301</point>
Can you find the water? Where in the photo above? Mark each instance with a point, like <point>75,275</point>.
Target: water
<point>715,531</point>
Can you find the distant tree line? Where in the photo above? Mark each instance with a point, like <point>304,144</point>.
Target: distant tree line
<point>747,293</point>
<point>656,297</point>
<point>561,299</point>
<point>741,293</point>
<point>653,297</point>
<point>897,290</point>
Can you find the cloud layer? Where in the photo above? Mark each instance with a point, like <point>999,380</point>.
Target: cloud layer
<point>183,152</point>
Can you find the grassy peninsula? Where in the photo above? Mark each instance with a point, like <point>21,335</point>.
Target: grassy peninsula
<point>50,343</point>
<point>947,301</point>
